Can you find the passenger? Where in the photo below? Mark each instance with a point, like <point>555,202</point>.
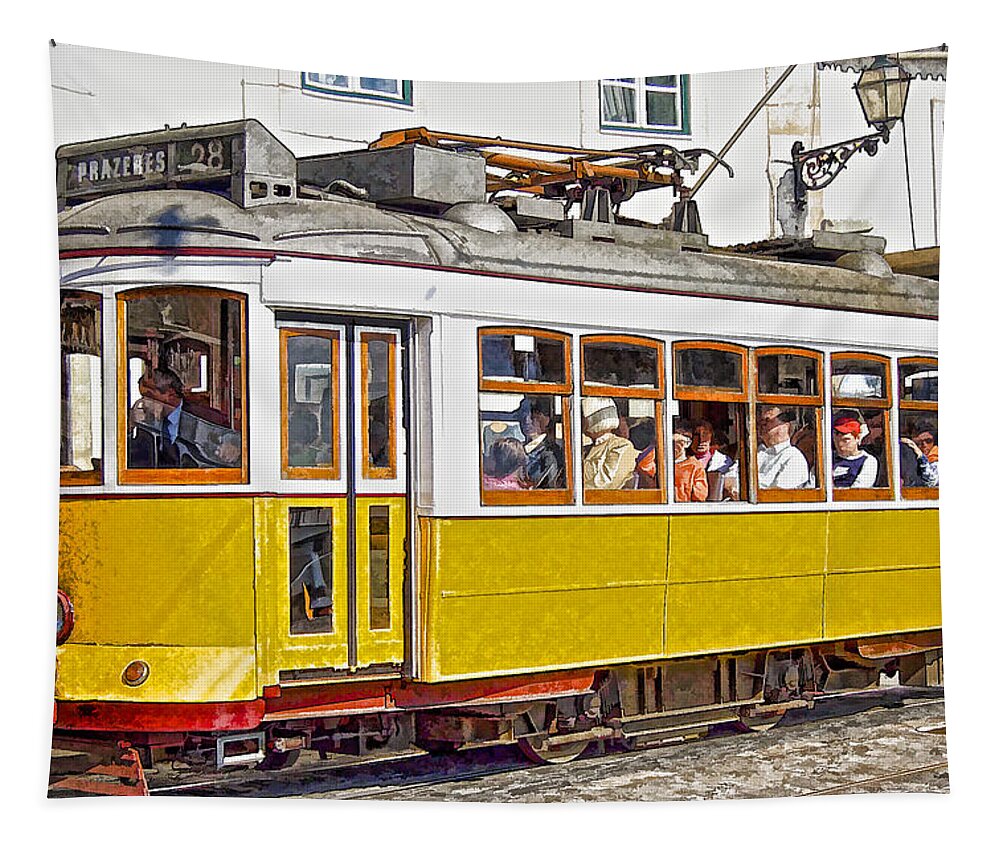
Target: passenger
<point>852,466</point>
<point>311,581</point>
<point>546,465</point>
<point>643,437</point>
<point>690,479</point>
<point>724,468</point>
<point>164,433</point>
<point>504,466</point>
<point>915,471</point>
<point>779,464</point>
<point>924,444</point>
<point>610,462</point>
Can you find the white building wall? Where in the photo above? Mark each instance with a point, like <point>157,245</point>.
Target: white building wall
<point>99,93</point>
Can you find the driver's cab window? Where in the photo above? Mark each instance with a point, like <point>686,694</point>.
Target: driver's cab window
<point>181,386</point>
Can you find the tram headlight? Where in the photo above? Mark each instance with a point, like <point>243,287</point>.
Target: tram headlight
<point>64,616</point>
<point>135,673</point>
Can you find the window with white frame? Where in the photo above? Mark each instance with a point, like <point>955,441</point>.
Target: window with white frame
<point>656,104</point>
<point>370,88</point>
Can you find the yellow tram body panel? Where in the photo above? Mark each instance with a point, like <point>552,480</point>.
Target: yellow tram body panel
<point>511,594</point>
<point>166,581</point>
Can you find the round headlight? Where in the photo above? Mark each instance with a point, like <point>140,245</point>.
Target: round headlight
<point>135,673</point>
<point>64,616</point>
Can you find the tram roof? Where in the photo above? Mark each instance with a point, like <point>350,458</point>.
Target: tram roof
<point>179,219</point>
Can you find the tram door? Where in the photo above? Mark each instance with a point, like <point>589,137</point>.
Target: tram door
<point>331,546</point>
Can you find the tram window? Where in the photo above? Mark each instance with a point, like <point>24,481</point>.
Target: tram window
<point>310,571</point>
<point>784,374</point>
<point>787,449</point>
<point>524,449</point>
<point>858,458</point>
<point>80,454</point>
<point>709,367</point>
<point>709,427</point>
<point>530,356</point>
<point>378,404</point>
<point>621,420</point>
<point>310,404</point>
<point>918,420</point>
<point>918,381</point>
<point>378,567</point>
<point>859,378</point>
<point>181,386</point>
<point>861,457</point>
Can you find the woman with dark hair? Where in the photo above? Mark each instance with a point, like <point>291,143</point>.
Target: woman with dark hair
<point>504,466</point>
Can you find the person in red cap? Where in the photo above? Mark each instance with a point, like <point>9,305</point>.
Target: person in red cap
<point>852,466</point>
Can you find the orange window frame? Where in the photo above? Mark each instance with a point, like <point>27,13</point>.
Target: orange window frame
<point>815,401</point>
<point>538,388</point>
<point>930,407</point>
<point>885,405</point>
<point>562,496</point>
<point>331,471</point>
<point>193,476</point>
<point>367,470</point>
<point>658,495</point>
<point>78,478</point>
<point>684,392</point>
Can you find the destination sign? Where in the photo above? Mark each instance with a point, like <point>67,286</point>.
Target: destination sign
<point>152,164</point>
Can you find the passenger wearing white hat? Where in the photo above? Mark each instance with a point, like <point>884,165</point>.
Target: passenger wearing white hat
<point>610,463</point>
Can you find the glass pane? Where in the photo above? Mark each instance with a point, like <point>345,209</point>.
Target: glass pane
<point>378,84</point>
<point>661,109</point>
<point>857,378</point>
<point>618,104</point>
<point>186,408</point>
<point>787,375</point>
<point>523,357</point>
<point>858,456</point>
<point>669,81</point>
<point>918,449</point>
<point>918,382</point>
<point>786,452</point>
<point>80,441</point>
<point>310,571</point>
<point>310,407</point>
<point>338,81</point>
<point>378,567</point>
<point>717,433</point>
<point>619,447</point>
<point>620,365</point>
<point>380,413</point>
<point>522,442</point>
<point>710,368</point>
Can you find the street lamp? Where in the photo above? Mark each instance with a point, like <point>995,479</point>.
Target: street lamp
<point>882,90</point>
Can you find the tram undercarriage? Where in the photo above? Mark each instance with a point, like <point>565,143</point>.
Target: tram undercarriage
<point>629,707</point>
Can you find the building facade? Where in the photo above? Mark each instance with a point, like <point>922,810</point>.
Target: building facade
<point>896,194</point>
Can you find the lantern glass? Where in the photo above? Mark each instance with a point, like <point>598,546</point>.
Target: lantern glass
<point>882,90</point>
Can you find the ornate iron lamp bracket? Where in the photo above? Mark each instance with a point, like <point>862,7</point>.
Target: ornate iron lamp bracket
<point>817,168</point>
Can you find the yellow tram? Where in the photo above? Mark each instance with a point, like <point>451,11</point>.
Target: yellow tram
<point>352,459</point>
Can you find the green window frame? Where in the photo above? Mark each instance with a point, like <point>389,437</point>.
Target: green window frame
<point>646,104</point>
<point>363,88</point>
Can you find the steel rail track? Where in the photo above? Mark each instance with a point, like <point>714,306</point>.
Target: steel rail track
<point>858,784</point>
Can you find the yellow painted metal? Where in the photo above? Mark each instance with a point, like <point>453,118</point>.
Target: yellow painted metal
<point>176,674</point>
<point>884,572</point>
<point>380,646</point>
<point>158,571</point>
<point>172,575</point>
<point>518,594</point>
<point>277,649</point>
<point>745,580</point>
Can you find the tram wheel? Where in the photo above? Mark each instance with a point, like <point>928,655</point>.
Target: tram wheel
<point>552,755</point>
<point>276,760</point>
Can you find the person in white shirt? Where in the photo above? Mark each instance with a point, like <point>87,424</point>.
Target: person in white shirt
<point>779,464</point>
